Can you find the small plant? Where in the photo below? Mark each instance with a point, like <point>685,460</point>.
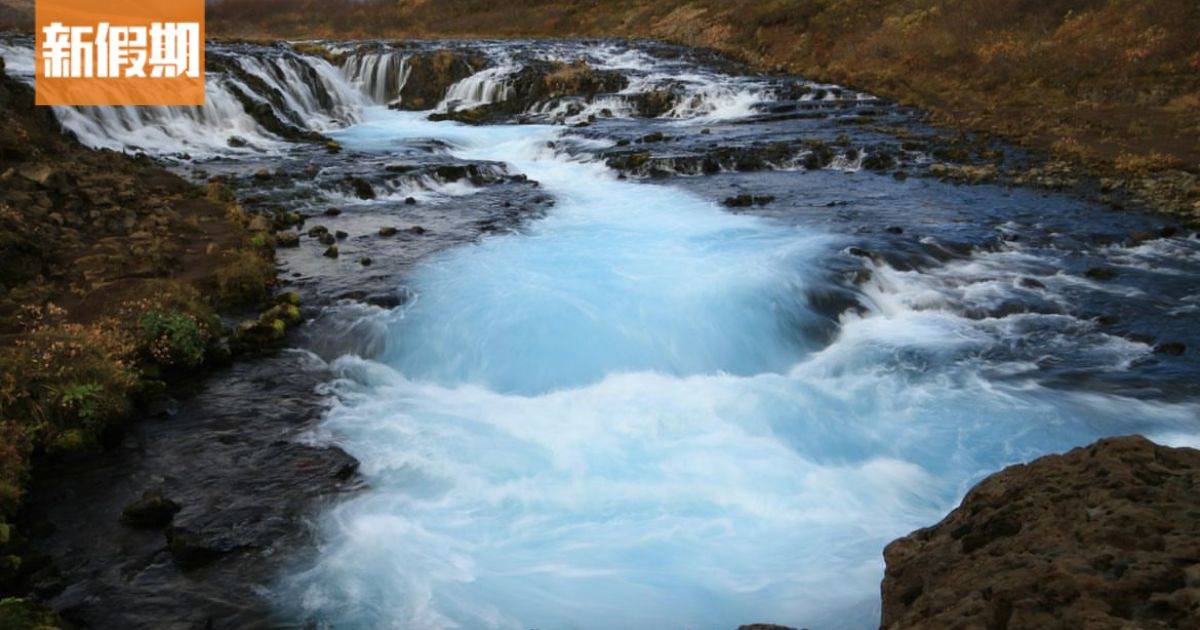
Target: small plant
<point>173,339</point>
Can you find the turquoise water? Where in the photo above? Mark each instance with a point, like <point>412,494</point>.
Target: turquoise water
<point>623,418</point>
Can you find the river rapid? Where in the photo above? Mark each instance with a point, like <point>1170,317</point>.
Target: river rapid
<point>690,369</point>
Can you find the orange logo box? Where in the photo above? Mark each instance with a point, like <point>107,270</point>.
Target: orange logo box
<point>120,52</point>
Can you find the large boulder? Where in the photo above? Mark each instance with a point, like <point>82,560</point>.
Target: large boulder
<point>1105,536</point>
<point>431,74</point>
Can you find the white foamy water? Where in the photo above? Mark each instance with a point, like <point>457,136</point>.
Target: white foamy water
<point>619,420</point>
<point>482,88</point>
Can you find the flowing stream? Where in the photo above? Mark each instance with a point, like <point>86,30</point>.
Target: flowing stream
<point>620,418</point>
<point>639,409</point>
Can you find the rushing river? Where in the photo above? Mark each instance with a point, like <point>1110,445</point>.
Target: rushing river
<point>639,409</point>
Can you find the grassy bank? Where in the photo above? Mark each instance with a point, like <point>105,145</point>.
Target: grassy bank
<point>112,275</point>
<point>1110,88</point>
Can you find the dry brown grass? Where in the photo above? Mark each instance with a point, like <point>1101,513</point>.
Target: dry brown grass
<point>1103,78</point>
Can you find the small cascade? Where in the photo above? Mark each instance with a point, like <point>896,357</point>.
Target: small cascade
<point>256,98</point>
<point>210,128</point>
<point>379,74</point>
<point>312,92</point>
<point>18,58</point>
<point>482,88</point>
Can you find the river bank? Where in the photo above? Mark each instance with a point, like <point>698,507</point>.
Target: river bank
<point>115,278</point>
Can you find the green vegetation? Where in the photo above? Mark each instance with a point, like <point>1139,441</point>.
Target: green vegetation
<point>21,614</point>
<point>104,300</point>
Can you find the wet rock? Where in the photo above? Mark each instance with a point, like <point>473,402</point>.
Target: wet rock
<point>387,231</point>
<point>1032,283</point>
<point>361,187</point>
<point>191,550</point>
<point>325,238</point>
<point>430,75</point>
<point>416,229</point>
<point>894,229</point>
<point>878,161</point>
<point>653,103</point>
<point>1173,348</point>
<point>383,300</point>
<point>747,200</point>
<point>262,174</point>
<point>287,239</point>
<point>1105,536</point>
<point>152,510</point>
<point>236,142</point>
<point>656,136</point>
<point>24,614</point>
<point>1100,273</point>
<point>333,147</point>
<point>964,174</point>
<point>332,212</point>
<point>331,252</point>
<point>410,201</point>
<point>317,230</point>
<point>365,261</point>
<point>818,156</point>
<point>341,234</point>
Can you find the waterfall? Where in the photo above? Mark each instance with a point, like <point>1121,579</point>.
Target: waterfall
<point>482,88</point>
<point>313,91</point>
<point>256,98</point>
<point>378,74</point>
<point>205,128</point>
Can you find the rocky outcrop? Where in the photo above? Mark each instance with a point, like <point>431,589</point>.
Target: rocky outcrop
<point>1105,536</point>
<point>540,83</point>
<point>431,74</point>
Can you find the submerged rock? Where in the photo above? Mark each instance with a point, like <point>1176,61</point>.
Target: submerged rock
<point>153,510</point>
<point>1105,536</point>
<point>747,200</point>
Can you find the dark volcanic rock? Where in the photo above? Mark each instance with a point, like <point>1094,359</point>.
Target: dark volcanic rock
<point>247,491</point>
<point>1105,536</point>
<point>432,73</point>
<point>539,82</point>
<point>150,511</point>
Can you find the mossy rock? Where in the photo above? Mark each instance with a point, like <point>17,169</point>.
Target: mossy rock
<point>152,510</point>
<point>73,441</point>
<point>288,297</point>
<point>22,614</point>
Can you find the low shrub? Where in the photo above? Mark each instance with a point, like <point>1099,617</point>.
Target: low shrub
<point>173,339</point>
<point>245,278</point>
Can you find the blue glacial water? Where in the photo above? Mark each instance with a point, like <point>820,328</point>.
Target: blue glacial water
<point>621,417</point>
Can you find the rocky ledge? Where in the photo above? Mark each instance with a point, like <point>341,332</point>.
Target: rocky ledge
<point>1104,536</point>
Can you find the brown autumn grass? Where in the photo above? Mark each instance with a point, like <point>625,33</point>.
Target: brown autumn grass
<point>1112,85</point>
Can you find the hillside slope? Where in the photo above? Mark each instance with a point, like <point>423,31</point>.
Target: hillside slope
<point>1112,86</point>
